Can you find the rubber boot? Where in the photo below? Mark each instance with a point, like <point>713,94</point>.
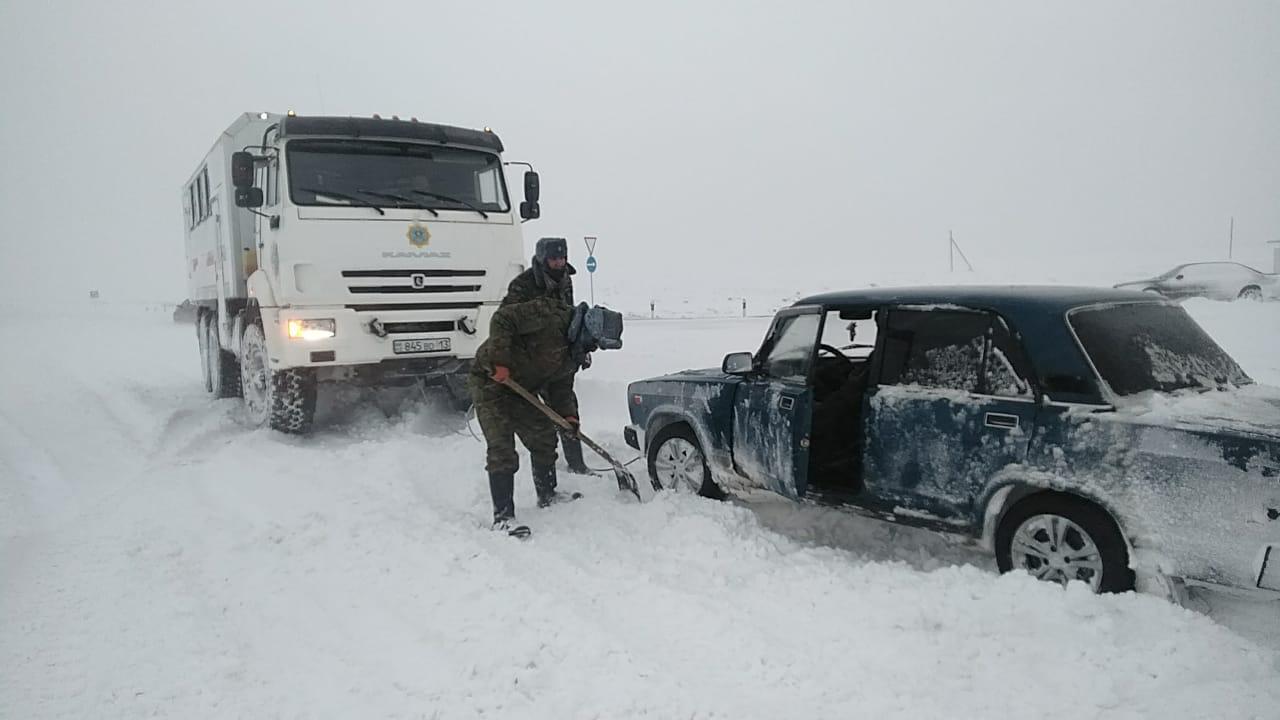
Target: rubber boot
<point>544,481</point>
<point>502,488</point>
<point>572,448</point>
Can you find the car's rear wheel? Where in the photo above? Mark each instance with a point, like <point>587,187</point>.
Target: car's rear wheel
<point>1252,292</point>
<point>1062,538</point>
<point>677,462</point>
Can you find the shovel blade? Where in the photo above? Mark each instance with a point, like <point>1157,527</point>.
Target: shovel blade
<point>627,482</point>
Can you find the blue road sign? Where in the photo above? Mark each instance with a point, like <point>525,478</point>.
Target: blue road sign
<point>591,263</point>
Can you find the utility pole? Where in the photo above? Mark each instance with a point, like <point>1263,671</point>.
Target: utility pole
<point>955,248</point>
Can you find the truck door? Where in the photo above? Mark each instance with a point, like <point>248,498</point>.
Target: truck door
<point>773,406</point>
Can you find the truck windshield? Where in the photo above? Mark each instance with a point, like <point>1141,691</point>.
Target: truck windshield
<point>1149,346</point>
<point>322,172</point>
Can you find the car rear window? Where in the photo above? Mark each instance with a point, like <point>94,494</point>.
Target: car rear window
<point>1151,346</point>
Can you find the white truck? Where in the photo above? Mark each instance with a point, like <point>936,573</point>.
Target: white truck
<point>342,249</point>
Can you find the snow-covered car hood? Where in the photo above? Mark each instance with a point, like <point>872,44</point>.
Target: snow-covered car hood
<point>697,375</point>
<point>1251,410</point>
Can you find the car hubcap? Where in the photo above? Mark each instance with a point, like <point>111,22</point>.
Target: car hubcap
<point>679,465</point>
<point>1055,549</point>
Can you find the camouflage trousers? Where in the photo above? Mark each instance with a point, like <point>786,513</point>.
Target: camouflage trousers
<point>503,417</point>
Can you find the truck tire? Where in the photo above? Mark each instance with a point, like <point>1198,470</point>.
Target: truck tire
<point>202,340</point>
<point>224,370</point>
<point>284,400</point>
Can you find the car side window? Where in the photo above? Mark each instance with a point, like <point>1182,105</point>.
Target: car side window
<point>1006,368</point>
<point>790,352</point>
<point>934,348</point>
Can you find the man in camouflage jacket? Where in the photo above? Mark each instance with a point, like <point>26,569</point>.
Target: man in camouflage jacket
<point>550,274</point>
<point>527,343</point>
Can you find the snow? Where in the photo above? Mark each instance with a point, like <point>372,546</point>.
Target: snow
<point>157,558</point>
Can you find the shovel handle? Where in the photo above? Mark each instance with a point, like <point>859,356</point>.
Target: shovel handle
<point>537,402</point>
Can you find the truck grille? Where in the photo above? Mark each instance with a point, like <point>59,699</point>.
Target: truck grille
<point>433,326</point>
<point>384,307</point>
<point>411,282</point>
<point>406,289</point>
<point>396,273</point>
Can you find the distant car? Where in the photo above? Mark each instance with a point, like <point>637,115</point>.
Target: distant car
<point>1213,280</point>
<point>1079,433</point>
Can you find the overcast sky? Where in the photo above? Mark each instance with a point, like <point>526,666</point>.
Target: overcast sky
<point>763,143</point>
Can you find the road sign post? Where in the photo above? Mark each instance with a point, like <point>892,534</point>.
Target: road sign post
<point>590,241</point>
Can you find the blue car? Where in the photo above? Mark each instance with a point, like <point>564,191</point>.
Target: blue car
<point>1080,434</point>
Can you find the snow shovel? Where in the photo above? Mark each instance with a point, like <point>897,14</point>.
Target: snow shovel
<point>626,481</point>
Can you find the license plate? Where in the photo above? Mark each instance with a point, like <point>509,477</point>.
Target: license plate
<point>400,347</point>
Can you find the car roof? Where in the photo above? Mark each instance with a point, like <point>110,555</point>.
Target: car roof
<point>996,297</point>
<point>1219,262</point>
<point>1036,313</point>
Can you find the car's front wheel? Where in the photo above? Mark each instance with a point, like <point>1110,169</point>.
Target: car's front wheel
<point>1062,538</point>
<point>678,463</point>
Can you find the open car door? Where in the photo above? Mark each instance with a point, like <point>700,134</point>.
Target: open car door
<point>773,406</point>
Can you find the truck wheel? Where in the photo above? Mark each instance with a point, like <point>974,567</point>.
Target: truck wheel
<point>1060,538</point>
<point>224,371</point>
<point>676,460</point>
<point>283,399</point>
<point>202,339</point>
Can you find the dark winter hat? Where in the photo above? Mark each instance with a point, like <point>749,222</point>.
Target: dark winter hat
<point>549,247</point>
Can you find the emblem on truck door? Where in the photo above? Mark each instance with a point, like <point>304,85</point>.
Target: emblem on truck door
<point>418,235</point>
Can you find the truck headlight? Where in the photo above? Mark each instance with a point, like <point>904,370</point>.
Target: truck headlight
<point>313,329</point>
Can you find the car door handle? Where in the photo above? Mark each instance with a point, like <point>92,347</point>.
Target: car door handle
<point>1003,421</point>
<point>786,403</point>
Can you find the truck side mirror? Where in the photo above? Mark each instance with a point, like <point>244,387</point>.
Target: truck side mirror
<point>529,209</point>
<point>739,363</point>
<point>241,172</point>
<point>248,197</point>
<point>532,187</point>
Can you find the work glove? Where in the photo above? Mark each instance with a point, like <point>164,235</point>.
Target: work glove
<point>501,373</point>
<point>574,424</point>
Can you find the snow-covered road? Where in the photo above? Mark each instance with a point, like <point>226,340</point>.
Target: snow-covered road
<point>159,559</point>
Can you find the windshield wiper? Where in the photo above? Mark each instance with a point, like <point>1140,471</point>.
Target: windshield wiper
<point>449,198</point>
<point>399,199</point>
<point>343,196</point>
